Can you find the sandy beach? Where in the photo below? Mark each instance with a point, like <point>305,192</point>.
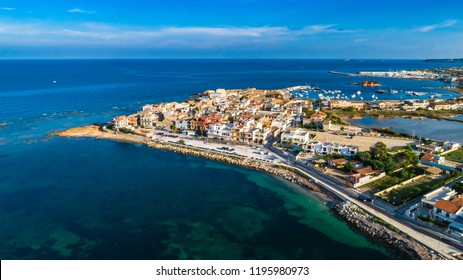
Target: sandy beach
<point>95,131</point>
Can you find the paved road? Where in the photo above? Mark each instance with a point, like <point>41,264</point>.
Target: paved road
<point>433,240</point>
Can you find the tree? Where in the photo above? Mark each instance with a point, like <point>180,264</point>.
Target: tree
<point>364,156</point>
<point>406,157</point>
<point>349,109</point>
<point>408,147</point>
<point>181,142</point>
<point>380,145</point>
<point>172,127</point>
<point>458,187</point>
<point>342,128</point>
<point>389,164</point>
<point>377,164</point>
<point>349,167</point>
<point>404,174</point>
<point>379,151</point>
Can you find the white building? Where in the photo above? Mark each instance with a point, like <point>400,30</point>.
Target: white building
<point>261,136</point>
<point>220,131</point>
<point>295,135</point>
<point>450,211</point>
<point>431,198</point>
<point>329,148</point>
<point>120,122</point>
<point>147,119</point>
<point>182,124</point>
<point>450,145</point>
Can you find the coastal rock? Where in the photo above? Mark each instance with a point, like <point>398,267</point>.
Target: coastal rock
<point>397,242</point>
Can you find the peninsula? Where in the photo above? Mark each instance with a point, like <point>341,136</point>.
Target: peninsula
<point>306,142</point>
<point>452,75</point>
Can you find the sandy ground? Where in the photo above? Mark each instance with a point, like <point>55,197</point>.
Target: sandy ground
<point>95,132</point>
<point>364,142</point>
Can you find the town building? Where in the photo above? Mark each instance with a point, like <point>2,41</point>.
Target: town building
<point>295,136</point>
<point>120,122</point>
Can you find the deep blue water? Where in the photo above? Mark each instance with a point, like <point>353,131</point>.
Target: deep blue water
<point>94,199</point>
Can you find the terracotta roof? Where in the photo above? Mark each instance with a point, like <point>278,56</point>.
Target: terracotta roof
<point>427,156</point>
<point>339,160</point>
<point>365,170</point>
<point>316,115</point>
<point>121,118</point>
<point>458,200</point>
<point>447,206</point>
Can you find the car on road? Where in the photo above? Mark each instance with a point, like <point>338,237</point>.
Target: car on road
<point>364,198</point>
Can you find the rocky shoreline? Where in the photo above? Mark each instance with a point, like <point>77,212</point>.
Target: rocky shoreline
<point>281,171</point>
<point>396,241</point>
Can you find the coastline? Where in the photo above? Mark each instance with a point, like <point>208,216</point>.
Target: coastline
<point>94,131</point>
<point>458,90</point>
<point>398,243</point>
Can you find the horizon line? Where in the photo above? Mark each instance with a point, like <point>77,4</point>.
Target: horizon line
<point>212,58</point>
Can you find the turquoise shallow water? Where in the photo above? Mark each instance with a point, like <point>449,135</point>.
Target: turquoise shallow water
<point>99,199</point>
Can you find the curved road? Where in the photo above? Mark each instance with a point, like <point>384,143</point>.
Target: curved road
<point>431,239</point>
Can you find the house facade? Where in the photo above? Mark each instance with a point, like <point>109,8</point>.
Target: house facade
<point>295,136</point>
<point>120,122</point>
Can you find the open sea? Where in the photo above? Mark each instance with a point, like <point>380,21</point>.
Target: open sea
<point>99,199</point>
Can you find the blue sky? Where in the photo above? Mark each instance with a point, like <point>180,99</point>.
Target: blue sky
<point>231,29</point>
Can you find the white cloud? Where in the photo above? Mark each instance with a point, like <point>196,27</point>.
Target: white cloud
<point>445,24</point>
<point>8,9</point>
<point>80,11</point>
<point>329,28</point>
<point>91,33</point>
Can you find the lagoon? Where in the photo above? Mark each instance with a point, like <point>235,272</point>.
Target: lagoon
<point>425,128</point>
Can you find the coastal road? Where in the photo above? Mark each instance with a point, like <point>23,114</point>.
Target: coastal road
<point>433,240</point>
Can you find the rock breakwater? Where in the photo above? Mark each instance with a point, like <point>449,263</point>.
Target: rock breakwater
<point>278,170</point>
<point>396,241</point>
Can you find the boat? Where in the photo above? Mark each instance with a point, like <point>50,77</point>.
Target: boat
<point>359,92</point>
<point>381,91</point>
<point>370,84</point>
